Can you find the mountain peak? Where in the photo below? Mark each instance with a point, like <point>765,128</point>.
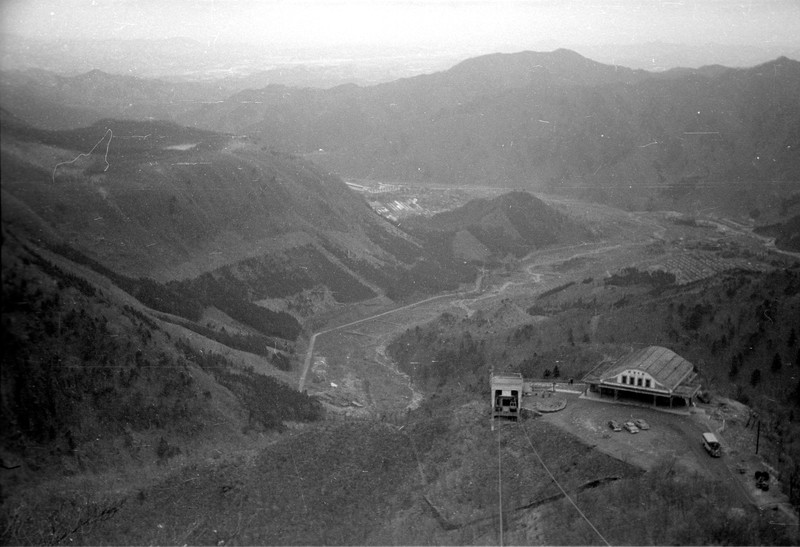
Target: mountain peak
<point>96,74</point>
<point>570,67</point>
<point>568,53</point>
<point>781,61</point>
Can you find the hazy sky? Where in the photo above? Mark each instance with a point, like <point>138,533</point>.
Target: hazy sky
<point>438,23</point>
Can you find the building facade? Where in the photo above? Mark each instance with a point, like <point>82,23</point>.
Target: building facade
<point>654,374</point>
<point>506,395</point>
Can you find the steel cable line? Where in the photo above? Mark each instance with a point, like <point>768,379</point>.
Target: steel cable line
<point>500,486</point>
<point>536,453</point>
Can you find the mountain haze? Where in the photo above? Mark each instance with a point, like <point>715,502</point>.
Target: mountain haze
<point>154,198</point>
<point>554,121</point>
<point>52,101</point>
<point>225,222</point>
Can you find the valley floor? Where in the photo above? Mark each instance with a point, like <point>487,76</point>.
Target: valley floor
<point>345,363</point>
<point>389,466</point>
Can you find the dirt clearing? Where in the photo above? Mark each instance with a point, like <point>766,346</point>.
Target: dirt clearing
<point>673,435</point>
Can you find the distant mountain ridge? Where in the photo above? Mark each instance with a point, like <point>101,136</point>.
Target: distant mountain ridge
<point>565,65</point>
<point>195,60</point>
<point>234,65</point>
<point>662,56</point>
<point>553,121</point>
<point>51,101</point>
<point>218,220</point>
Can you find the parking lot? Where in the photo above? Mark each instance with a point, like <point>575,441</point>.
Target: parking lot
<point>671,435</point>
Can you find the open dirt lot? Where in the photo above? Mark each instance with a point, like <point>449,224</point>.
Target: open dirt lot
<point>672,435</point>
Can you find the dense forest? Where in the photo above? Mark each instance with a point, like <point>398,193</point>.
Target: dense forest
<point>739,330</point>
<point>79,366</point>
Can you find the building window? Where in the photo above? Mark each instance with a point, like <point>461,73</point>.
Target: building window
<point>639,382</point>
<point>647,383</point>
<point>624,379</point>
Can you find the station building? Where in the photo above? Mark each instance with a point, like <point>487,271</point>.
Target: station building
<point>654,374</point>
<point>506,395</point>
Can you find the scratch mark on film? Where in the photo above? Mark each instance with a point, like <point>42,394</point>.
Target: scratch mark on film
<point>89,153</point>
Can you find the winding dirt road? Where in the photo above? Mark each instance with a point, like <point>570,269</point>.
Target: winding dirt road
<point>313,339</point>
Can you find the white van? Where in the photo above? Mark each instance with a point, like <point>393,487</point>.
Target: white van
<point>711,444</point>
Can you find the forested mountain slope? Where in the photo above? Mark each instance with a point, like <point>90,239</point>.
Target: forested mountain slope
<point>556,121</point>
<point>489,229</point>
<point>136,254</point>
<point>222,218</point>
<point>549,120</point>
<point>94,381</point>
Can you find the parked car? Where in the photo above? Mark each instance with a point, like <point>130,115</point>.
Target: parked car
<point>631,427</point>
<point>641,424</point>
<point>614,425</point>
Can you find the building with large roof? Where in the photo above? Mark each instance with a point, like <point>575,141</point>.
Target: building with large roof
<point>654,374</point>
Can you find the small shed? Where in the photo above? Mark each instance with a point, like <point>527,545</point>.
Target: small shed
<point>506,395</point>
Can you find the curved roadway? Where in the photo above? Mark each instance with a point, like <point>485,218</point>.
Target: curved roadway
<point>313,339</point>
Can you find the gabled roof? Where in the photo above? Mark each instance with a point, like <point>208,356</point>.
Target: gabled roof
<point>506,378</point>
<point>667,367</point>
<point>514,375</point>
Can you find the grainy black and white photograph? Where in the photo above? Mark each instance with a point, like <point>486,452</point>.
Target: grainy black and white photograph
<point>400,272</point>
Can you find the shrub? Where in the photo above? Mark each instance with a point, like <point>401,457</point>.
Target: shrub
<point>166,451</point>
